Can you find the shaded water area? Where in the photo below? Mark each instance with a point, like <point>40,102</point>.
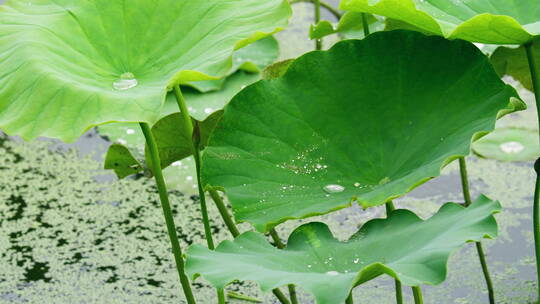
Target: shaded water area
<point>71,233</point>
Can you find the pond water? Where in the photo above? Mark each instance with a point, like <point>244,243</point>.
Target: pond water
<point>71,233</point>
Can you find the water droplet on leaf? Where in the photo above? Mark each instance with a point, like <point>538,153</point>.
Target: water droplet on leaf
<point>512,147</point>
<point>334,188</point>
<point>332,273</point>
<point>125,82</point>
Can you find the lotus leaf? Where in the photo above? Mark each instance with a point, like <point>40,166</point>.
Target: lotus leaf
<point>252,58</point>
<point>509,144</point>
<point>174,142</point>
<point>366,122</point>
<point>485,21</point>
<point>513,62</point>
<point>403,246</point>
<point>121,161</point>
<point>349,26</point>
<point>68,65</point>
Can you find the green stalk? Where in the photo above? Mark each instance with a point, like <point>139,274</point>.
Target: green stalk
<point>349,299</point>
<point>188,125</point>
<point>365,24</point>
<point>238,296</point>
<point>167,212</point>
<point>479,248</point>
<point>536,220</point>
<point>534,77</point>
<point>224,213</point>
<point>279,244</point>
<point>281,297</point>
<point>536,205</point>
<point>399,293</point>
<point>318,42</point>
<point>417,293</point>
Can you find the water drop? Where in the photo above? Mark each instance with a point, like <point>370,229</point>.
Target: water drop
<point>308,266</point>
<point>357,185</point>
<point>332,273</point>
<point>122,141</point>
<point>208,110</point>
<point>189,177</point>
<point>334,188</point>
<point>176,164</point>
<point>356,260</point>
<point>511,147</point>
<point>130,131</point>
<point>125,82</point>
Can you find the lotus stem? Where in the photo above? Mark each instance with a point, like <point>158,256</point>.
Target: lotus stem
<point>167,212</point>
<point>324,5</point>
<point>234,295</point>
<point>233,229</point>
<point>536,209</point>
<point>349,299</point>
<point>188,126</point>
<point>318,42</point>
<point>280,245</point>
<point>229,222</point>
<point>536,220</point>
<point>479,248</point>
<point>417,293</point>
<point>281,297</point>
<point>399,292</point>
<point>390,207</point>
<point>534,77</point>
<point>365,24</point>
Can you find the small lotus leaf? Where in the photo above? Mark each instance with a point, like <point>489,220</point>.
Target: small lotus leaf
<point>350,26</point>
<point>121,161</point>
<point>252,58</point>
<point>366,122</point>
<point>509,144</point>
<point>485,21</point>
<point>403,246</point>
<point>68,65</point>
<point>277,69</point>
<point>174,142</point>
<point>514,62</point>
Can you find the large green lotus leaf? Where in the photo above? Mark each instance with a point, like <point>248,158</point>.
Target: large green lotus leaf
<point>252,58</point>
<point>403,246</point>
<point>350,26</point>
<point>485,21</point>
<point>509,144</point>
<point>513,62</point>
<point>322,136</point>
<point>68,65</point>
